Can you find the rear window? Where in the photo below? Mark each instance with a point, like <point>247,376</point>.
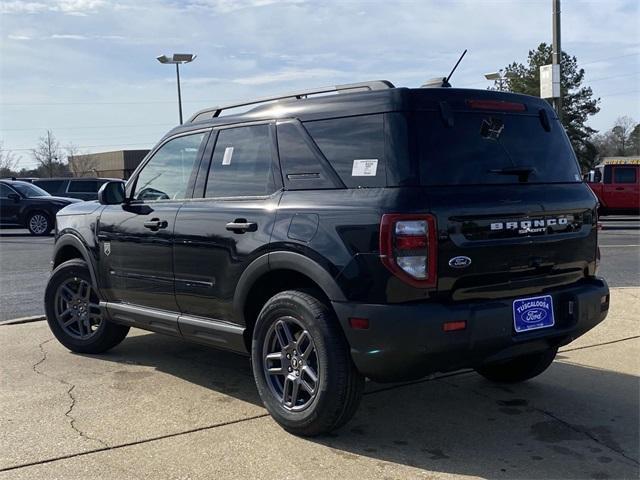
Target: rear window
<point>492,148</point>
<point>354,146</point>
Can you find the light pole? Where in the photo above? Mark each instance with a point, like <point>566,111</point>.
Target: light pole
<point>500,78</point>
<point>177,59</point>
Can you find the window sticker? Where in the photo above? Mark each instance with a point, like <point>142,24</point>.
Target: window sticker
<point>364,167</point>
<point>228,153</point>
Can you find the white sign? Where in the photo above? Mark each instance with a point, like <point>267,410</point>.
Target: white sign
<point>365,167</point>
<point>550,81</point>
<point>228,153</point>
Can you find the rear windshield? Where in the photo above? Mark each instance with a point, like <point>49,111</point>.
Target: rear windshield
<point>493,148</point>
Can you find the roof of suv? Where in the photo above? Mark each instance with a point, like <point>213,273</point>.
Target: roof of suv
<point>383,97</point>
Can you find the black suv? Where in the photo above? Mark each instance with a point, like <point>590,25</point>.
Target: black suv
<point>24,205</point>
<point>83,188</point>
<point>341,233</point>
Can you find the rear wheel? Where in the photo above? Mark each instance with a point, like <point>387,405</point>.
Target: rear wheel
<point>519,369</point>
<point>302,365</point>
<point>39,224</point>
<point>74,313</point>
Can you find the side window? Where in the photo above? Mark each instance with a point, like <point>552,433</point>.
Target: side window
<point>5,191</point>
<point>52,186</point>
<point>301,168</point>
<point>167,174</point>
<point>354,147</point>
<point>242,163</point>
<point>82,186</point>
<point>624,175</point>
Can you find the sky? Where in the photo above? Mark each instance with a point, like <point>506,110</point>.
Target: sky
<point>87,69</point>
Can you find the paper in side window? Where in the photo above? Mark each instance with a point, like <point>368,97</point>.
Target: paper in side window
<point>228,153</point>
<point>365,167</point>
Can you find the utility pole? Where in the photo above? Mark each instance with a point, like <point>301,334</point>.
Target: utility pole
<point>179,94</point>
<point>556,56</point>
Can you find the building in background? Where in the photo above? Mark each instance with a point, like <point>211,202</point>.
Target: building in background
<point>117,164</point>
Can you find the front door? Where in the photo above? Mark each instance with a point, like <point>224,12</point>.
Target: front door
<point>136,238</point>
<point>219,234</point>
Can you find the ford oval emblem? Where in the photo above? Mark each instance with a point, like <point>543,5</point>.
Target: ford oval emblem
<point>460,262</point>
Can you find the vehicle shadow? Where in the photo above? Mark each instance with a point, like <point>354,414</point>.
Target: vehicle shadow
<point>572,422</point>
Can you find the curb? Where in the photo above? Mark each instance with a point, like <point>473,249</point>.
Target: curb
<point>17,321</point>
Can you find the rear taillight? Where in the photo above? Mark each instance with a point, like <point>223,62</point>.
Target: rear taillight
<point>408,248</point>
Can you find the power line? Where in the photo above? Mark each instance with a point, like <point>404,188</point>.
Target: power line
<point>86,146</point>
<point>78,127</point>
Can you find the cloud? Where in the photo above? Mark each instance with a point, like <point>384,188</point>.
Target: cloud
<point>18,37</point>
<point>67,36</point>
<point>68,7</point>
<point>225,6</point>
<point>289,75</point>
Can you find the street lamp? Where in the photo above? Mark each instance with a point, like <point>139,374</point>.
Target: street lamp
<point>177,59</point>
<point>500,78</point>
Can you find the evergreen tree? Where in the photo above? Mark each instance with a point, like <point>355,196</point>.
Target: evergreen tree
<point>578,103</point>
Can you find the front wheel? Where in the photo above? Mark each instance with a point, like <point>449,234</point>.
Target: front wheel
<point>519,369</point>
<point>39,224</point>
<point>74,313</point>
<point>302,365</point>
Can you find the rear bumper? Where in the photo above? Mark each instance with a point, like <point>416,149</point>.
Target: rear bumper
<point>407,341</point>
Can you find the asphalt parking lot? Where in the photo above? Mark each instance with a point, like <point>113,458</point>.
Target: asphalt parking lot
<point>158,407</point>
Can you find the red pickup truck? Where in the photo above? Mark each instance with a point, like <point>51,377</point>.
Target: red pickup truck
<point>616,183</point>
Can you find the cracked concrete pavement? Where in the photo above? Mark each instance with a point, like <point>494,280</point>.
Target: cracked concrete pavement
<point>158,407</point>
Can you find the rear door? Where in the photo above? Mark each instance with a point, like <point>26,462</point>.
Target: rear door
<point>622,192</point>
<point>513,215</point>
<point>220,233</point>
<point>136,238</point>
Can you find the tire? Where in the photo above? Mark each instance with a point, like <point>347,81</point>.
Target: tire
<point>339,386</point>
<point>39,224</point>
<point>91,333</point>
<point>519,369</point>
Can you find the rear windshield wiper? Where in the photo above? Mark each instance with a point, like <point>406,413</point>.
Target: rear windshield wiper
<point>522,172</point>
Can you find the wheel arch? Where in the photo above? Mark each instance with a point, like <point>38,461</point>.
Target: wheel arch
<point>275,272</point>
<point>68,247</point>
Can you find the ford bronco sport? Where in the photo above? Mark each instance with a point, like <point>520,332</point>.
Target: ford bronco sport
<point>335,234</point>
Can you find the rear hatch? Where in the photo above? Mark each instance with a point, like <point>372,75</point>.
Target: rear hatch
<point>502,180</point>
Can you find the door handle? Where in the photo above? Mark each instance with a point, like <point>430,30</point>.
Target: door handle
<point>619,188</point>
<point>240,225</point>
<point>155,224</point>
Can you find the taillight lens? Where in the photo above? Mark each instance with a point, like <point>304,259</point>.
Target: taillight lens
<point>408,248</point>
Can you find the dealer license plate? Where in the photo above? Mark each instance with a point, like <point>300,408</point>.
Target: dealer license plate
<point>533,313</point>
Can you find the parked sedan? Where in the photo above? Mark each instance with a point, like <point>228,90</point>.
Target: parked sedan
<point>25,205</point>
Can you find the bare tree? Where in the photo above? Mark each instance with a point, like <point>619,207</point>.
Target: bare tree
<point>8,162</point>
<point>47,153</point>
<point>621,134</point>
<point>80,164</point>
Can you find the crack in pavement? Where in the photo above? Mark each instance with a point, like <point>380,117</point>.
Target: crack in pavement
<point>598,344</point>
<point>131,444</point>
<point>71,387</point>
<point>560,420</point>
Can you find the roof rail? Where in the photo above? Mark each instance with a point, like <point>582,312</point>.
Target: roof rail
<point>349,88</point>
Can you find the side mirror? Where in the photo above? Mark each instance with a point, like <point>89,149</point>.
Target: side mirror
<point>14,196</point>
<point>111,193</point>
